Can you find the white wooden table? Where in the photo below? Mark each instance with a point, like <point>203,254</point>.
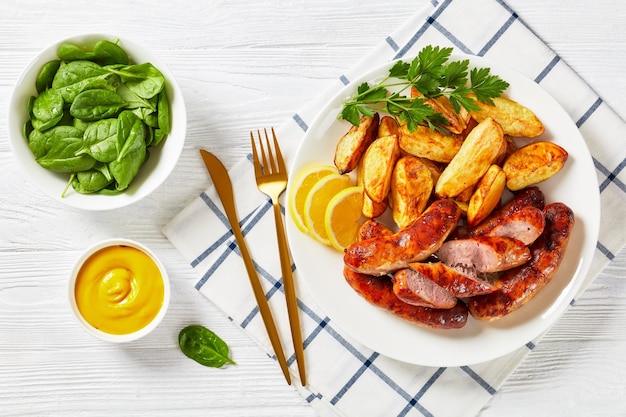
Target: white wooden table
<point>244,65</point>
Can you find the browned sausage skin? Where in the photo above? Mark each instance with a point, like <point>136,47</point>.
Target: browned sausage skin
<point>379,291</point>
<point>371,228</point>
<point>385,254</point>
<point>531,196</point>
<point>521,284</point>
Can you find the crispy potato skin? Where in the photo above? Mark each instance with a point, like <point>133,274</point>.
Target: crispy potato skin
<point>427,143</point>
<point>378,163</point>
<point>411,187</point>
<point>515,119</point>
<point>387,127</point>
<point>473,159</point>
<point>354,143</point>
<point>370,208</point>
<point>457,122</point>
<point>533,164</point>
<point>486,196</point>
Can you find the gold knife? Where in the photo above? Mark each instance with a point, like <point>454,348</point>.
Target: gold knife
<point>224,188</point>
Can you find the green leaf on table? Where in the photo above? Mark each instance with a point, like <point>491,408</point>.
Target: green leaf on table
<point>203,346</point>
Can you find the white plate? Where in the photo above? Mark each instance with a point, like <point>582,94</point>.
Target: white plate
<point>321,267</point>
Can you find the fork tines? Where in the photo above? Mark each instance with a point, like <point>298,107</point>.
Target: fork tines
<point>267,164</point>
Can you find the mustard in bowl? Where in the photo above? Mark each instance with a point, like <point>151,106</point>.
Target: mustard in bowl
<point>119,290</point>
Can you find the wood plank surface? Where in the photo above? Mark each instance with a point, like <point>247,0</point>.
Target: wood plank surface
<point>243,65</point>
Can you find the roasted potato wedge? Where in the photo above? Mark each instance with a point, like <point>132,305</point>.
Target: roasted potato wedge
<point>370,209</point>
<point>457,122</point>
<point>477,153</point>
<point>427,143</point>
<point>515,119</point>
<point>411,188</point>
<point>355,142</point>
<point>533,163</point>
<point>434,168</point>
<point>486,196</point>
<point>378,163</point>
<point>387,127</point>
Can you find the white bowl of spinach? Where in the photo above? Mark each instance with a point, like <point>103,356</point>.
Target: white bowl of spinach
<point>97,122</point>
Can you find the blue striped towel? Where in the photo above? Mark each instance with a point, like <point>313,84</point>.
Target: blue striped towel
<point>343,374</point>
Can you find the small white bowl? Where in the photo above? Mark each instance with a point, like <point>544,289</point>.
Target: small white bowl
<point>127,337</point>
<point>154,171</point>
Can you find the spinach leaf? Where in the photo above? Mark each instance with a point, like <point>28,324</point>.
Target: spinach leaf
<point>125,170</point>
<point>61,157</point>
<point>91,105</point>
<point>41,142</point>
<point>47,110</point>
<point>133,101</point>
<point>46,75</point>
<point>70,52</point>
<point>145,80</point>
<point>131,134</point>
<point>165,123</point>
<point>75,76</point>
<point>100,140</point>
<point>109,53</point>
<point>203,346</point>
<point>104,53</point>
<point>87,182</point>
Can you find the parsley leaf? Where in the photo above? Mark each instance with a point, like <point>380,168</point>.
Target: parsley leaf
<point>432,76</point>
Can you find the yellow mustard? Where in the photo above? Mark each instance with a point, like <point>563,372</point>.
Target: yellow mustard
<point>119,289</point>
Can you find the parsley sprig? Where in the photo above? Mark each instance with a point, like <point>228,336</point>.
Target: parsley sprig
<point>433,76</point>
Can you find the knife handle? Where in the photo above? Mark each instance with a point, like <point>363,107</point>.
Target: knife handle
<point>264,308</point>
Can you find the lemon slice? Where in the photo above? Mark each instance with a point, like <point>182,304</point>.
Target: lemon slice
<point>342,217</point>
<point>317,200</point>
<point>305,180</point>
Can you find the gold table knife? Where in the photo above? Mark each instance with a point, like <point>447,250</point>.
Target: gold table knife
<point>224,188</point>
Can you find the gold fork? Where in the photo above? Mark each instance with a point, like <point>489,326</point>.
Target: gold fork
<point>271,179</point>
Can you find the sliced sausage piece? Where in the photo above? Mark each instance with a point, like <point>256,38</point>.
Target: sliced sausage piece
<point>379,292</point>
<point>455,282</point>
<point>484,253</point>
<point>526,225</point>
<point>386,254</point>
<point>414,288</point>
<point>531,196</point>
<point>521,284</point>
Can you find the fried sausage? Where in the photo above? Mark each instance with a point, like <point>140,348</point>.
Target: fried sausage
<point>531,196</point>
<point>416,289</point>
<point>379,292</point>
<point>385,254</point>
<point>526,225</point>
<point>484,253</point>
<point>455,282</point>
<point>521,284</point>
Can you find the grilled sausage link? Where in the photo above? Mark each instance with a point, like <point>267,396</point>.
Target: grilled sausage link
<point>519,285</point>
<point>385,254</point>
<point>379,292</point>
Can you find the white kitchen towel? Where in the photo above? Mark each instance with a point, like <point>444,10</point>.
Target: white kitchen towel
<point>346,378</point>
